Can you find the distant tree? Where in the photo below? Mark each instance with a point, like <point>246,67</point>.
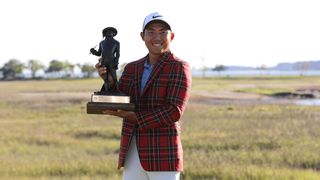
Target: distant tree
<point>88,69</point>
<point>219,68</point>
<point>68,68</point>
<point>34,66</point>
<point>65,68</point>
<point>55,66</point>
<point>11,69</point>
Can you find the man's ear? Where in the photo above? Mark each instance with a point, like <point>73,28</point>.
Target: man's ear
<point>142,36</point>
<point>171,36</point>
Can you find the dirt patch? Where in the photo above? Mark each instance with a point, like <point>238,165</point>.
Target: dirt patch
<point>56,95</point>
<point>45,100</point>
<point>227,97</point>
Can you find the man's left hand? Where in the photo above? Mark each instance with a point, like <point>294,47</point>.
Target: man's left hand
<point>129,115</point>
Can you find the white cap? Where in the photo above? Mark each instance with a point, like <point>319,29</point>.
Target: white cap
<point>154,17</point>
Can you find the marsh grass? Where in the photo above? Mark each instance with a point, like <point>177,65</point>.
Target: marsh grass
<point>252,142</point>
<point>46,134</point>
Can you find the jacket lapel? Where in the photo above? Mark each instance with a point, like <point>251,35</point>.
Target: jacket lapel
<point>138,76</point>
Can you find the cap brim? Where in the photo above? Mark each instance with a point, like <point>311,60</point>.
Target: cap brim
<point>157,21</point>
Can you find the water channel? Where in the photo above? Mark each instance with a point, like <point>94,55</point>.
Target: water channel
<point>308,102</point>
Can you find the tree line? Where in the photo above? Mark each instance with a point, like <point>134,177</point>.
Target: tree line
<point>14,68</point>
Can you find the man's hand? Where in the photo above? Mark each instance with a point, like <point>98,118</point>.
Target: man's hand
<point>129,115</point>
<point>101,70</point>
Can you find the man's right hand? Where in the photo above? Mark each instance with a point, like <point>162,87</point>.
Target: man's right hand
<point>101,70</point>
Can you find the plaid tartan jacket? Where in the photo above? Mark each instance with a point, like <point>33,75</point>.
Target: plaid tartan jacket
<point>159,109</point>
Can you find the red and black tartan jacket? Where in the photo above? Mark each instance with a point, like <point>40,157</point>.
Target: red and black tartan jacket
<point>159,109</point>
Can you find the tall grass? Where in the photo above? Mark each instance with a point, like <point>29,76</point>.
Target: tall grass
<point>46,133</point>
<point>251,142</point>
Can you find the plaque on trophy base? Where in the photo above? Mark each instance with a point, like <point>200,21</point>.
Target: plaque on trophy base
<point>100,102</point>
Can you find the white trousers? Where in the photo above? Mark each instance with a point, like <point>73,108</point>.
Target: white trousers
<point>134,171</point>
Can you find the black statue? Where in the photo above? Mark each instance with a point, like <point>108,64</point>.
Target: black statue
<point>109,50</point>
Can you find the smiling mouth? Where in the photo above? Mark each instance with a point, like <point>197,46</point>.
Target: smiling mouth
<point>157,45</point>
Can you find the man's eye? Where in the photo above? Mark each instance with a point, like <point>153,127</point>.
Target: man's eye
<point>164,33</point>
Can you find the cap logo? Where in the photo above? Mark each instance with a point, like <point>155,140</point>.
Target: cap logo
<point>156,16</point>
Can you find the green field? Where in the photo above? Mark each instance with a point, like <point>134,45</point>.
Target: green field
<point>46,133</point>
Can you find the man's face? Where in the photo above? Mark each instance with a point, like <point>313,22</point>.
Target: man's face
<point>157,38</point>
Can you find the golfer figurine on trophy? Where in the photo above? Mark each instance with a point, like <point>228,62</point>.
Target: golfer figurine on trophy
<point>109,97</point>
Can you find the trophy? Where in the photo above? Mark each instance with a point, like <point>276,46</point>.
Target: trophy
<point>109,97</point>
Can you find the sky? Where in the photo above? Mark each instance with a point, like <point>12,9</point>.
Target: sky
<point>207,32</point>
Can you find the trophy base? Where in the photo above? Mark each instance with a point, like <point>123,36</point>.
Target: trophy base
<point>101,101</point>
<point>98,107</point>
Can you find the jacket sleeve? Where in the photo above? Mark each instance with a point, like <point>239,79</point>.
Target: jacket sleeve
<point>176,98</point>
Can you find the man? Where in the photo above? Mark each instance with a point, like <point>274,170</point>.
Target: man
<point>159,86</point>
<point>109,50</point>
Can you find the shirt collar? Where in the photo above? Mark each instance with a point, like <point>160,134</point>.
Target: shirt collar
<point>147,64</point>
